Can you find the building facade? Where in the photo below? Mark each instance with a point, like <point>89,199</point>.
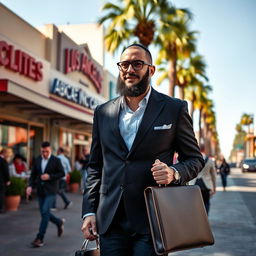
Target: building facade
<point>49,87</point>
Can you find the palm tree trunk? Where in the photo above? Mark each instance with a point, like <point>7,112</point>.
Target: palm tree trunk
<point>172,71</point>
<point>192,107</point>
<point>181,92</point>
<point>172,78</point>
<point>200,126</point>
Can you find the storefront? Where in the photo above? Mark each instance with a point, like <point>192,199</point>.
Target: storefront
<point>49,88</point>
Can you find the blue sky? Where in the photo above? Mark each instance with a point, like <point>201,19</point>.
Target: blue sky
<point>227,40</point>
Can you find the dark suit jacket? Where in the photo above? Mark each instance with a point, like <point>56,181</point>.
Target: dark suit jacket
<point>4,173</point>
<point>54,168</point>
<point>113,171</point>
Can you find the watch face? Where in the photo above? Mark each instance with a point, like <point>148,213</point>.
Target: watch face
<point>177,175</point>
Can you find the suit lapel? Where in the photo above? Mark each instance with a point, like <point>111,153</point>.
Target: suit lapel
<point>40,164</point>
<point>154,108</point>
<point>48,165</point>
<point>115,122</point>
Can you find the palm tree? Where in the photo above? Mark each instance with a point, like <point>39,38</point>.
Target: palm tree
<point>246,120</point>
<point>196,93</point>
<point>132,19</point>
<point>210,130</point>
<point>175,42</point>
<point>189,70</point>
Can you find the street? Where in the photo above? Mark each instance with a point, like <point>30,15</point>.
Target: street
<point>232,218</point>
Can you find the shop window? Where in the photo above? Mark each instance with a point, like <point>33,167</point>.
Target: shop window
<point>14,137</point>
<point>36,139</point>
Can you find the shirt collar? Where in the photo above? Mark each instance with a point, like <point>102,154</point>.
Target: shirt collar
<point>143,102</point>
<point>46,159</point>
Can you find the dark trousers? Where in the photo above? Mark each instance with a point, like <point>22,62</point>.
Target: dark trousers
<point>223,179</point>
<point>2,197</point>
<point>61,192</point>
<point>122,240</point>
<point>206,199</point>
<point>45,203</point>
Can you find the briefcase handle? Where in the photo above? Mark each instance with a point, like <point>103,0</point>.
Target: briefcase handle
<point>86,242</point>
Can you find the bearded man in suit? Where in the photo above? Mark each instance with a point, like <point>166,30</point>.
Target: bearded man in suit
<point>46,173</point>
<point>134,139</point>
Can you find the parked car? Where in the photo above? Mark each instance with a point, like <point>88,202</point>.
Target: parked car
<point>249,165</point>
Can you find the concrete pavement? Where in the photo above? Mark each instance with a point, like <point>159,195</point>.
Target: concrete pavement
<point>232,223</point>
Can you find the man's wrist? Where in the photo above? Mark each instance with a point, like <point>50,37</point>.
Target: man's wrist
<point>176,175</point>
<point>88,214</point>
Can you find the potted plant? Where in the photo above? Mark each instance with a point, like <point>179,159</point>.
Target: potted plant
<point>14,192</point>
<point>75,179</point>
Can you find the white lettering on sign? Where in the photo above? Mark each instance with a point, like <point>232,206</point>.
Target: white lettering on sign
<point>74,94</point>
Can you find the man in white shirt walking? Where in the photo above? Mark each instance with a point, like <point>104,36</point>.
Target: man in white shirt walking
<point>63,181</point>
<point>46,172</point>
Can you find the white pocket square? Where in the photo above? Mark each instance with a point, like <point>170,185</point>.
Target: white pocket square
<point>163,127</point>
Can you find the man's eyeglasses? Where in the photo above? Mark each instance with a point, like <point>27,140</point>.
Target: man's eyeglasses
<point>136,65</point>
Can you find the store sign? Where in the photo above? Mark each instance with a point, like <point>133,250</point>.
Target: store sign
<point>74,94</point>
<point>20,62</point>
<point>77,61</point>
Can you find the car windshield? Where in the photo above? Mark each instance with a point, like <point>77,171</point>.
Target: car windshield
<point>250,161</point>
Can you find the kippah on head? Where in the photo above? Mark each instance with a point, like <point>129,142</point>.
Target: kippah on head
<point>142,47</point>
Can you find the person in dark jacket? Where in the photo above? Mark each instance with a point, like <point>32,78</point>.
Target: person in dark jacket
<point>134,140</point>
<point>46,173</point>
<point>224,171</point>
<point>4,177</point>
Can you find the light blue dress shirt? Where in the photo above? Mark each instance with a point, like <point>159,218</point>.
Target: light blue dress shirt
<point>65,163</point>
<point>44,162</point>
<point>129,121</point>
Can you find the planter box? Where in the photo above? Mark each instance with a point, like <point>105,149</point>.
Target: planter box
<point>74,187</point>
<point>12,202</point>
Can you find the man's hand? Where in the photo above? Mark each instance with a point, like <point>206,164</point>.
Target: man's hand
<point>212,192</point>
<point>29,191</point>
<point>162,173</point>
<point>89,228</point>
<point>45,176</point>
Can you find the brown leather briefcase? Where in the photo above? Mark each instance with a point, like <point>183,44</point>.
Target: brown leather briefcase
<point>177,218</point>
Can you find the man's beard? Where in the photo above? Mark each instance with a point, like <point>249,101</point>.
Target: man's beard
<point>136,89</point>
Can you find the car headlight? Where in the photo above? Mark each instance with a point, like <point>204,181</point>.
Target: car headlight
<point>245,166</point>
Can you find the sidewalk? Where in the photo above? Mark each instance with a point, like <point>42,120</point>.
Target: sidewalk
<point>232,224</point>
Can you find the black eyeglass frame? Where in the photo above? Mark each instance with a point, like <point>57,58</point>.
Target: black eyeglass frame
<point>131,63</point>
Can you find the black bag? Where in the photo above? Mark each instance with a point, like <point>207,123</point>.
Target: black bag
<point>201,184</point>
<point>95,251</point>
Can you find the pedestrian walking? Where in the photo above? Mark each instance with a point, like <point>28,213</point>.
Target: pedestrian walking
<point>224,170</point>
<point>4,178</point>
<point>206,180</point>
<point>63,181</point>
<point>133,143</point>
<point>84,160</point>
<point>46,173</point>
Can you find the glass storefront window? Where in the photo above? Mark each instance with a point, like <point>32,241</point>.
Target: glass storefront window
<point>14,137</point>
<point>36,139</point>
